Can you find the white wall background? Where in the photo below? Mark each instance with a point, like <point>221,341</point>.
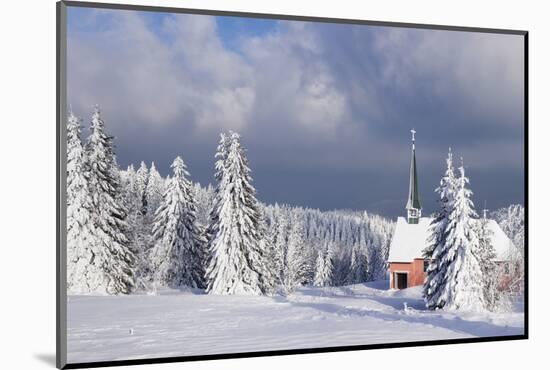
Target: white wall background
<point>27,180</point>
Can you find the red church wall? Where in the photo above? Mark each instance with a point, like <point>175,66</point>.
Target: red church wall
<point>416,275</point>
<point>415,272</point>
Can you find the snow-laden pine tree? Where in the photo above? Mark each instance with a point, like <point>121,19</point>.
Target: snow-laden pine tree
<point>341,264</point>
<point>153,191</point>
<point>237,263</point>
<point>374,258</point>
<point>282,228</point>
<point>212,227</point>
<point>383,229</point>
<point>297,268</point>
<point>135,231</point>
<point>358,265</point>
<point>488,266</point>
<point>131,200</point>
<point>205,198</point>
<point>275,263</point>
<point>377,242</point>
<point>463,288</point>
<point>126,177</point>
<point>80,229</point>
<point>323,269</point>
<point>140,224</point>
<point>177,255</point>
<point>436,251</point>
<point>126,187</point>
<point>111,266</point>
<point>267,247</point>
<point>142,178</point>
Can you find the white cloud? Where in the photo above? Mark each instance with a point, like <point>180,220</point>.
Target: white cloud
<point>294,80</point>
<point>142,80</point>
<point>479,71</point>
<point>183,73</point>
<point>296,85</point>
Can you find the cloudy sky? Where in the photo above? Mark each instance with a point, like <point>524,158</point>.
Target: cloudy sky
<point>323,109</point>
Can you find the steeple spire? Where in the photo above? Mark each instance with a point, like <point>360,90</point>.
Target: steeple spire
<point>414,209</point>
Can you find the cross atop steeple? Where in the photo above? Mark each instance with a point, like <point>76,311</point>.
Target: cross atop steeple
<point>414,209</point>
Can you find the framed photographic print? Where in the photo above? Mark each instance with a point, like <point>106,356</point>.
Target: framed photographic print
<point>235,184</point>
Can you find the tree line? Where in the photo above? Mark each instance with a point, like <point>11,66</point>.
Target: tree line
<point>135,230</point>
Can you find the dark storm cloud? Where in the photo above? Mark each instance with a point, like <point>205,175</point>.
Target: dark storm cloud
<point>324,110</point>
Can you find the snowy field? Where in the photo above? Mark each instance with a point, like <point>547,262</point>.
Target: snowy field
<point>176,323</point>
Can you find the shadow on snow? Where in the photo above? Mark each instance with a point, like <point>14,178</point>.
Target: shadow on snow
<point>416,312</point>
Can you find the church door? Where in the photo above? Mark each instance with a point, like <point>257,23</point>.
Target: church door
<point>401,280</point>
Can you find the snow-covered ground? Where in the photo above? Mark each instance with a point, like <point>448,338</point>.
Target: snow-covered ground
<point>176,323</point>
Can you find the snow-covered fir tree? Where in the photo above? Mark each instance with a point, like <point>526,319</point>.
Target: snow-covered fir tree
<point>111,267</point>
<point>297,269</point>
<point>142,178</point>
<point>358,272</point>
<point>436,250</point>
<point>128,180</point>
<point>269,272</point>
<point>177,255</point>
<point>281,231</point>
<point>80,229</point>
<point>125,177</point>
<point>140,217</point>
<point>237,263</point>
<point>131,200</point>
<point>135,228</point>
<point>446,192</point>
<point>213,219</point>
<point>154,191</point>
<point>486,256</point>
<point>275,256</point>
<point>323,269</point>
<point>377,245</point>
<point>341,266</point>
<point>463,288</point>
<point>205,199</point>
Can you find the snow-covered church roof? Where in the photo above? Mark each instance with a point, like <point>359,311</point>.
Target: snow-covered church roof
<point>410,239</point>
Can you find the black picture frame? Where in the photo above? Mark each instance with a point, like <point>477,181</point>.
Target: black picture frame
<point>61,116</point>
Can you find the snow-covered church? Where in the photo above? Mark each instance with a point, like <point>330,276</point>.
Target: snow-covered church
<point>407,267</point>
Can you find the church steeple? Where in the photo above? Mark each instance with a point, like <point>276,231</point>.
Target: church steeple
<point>414,209</point>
